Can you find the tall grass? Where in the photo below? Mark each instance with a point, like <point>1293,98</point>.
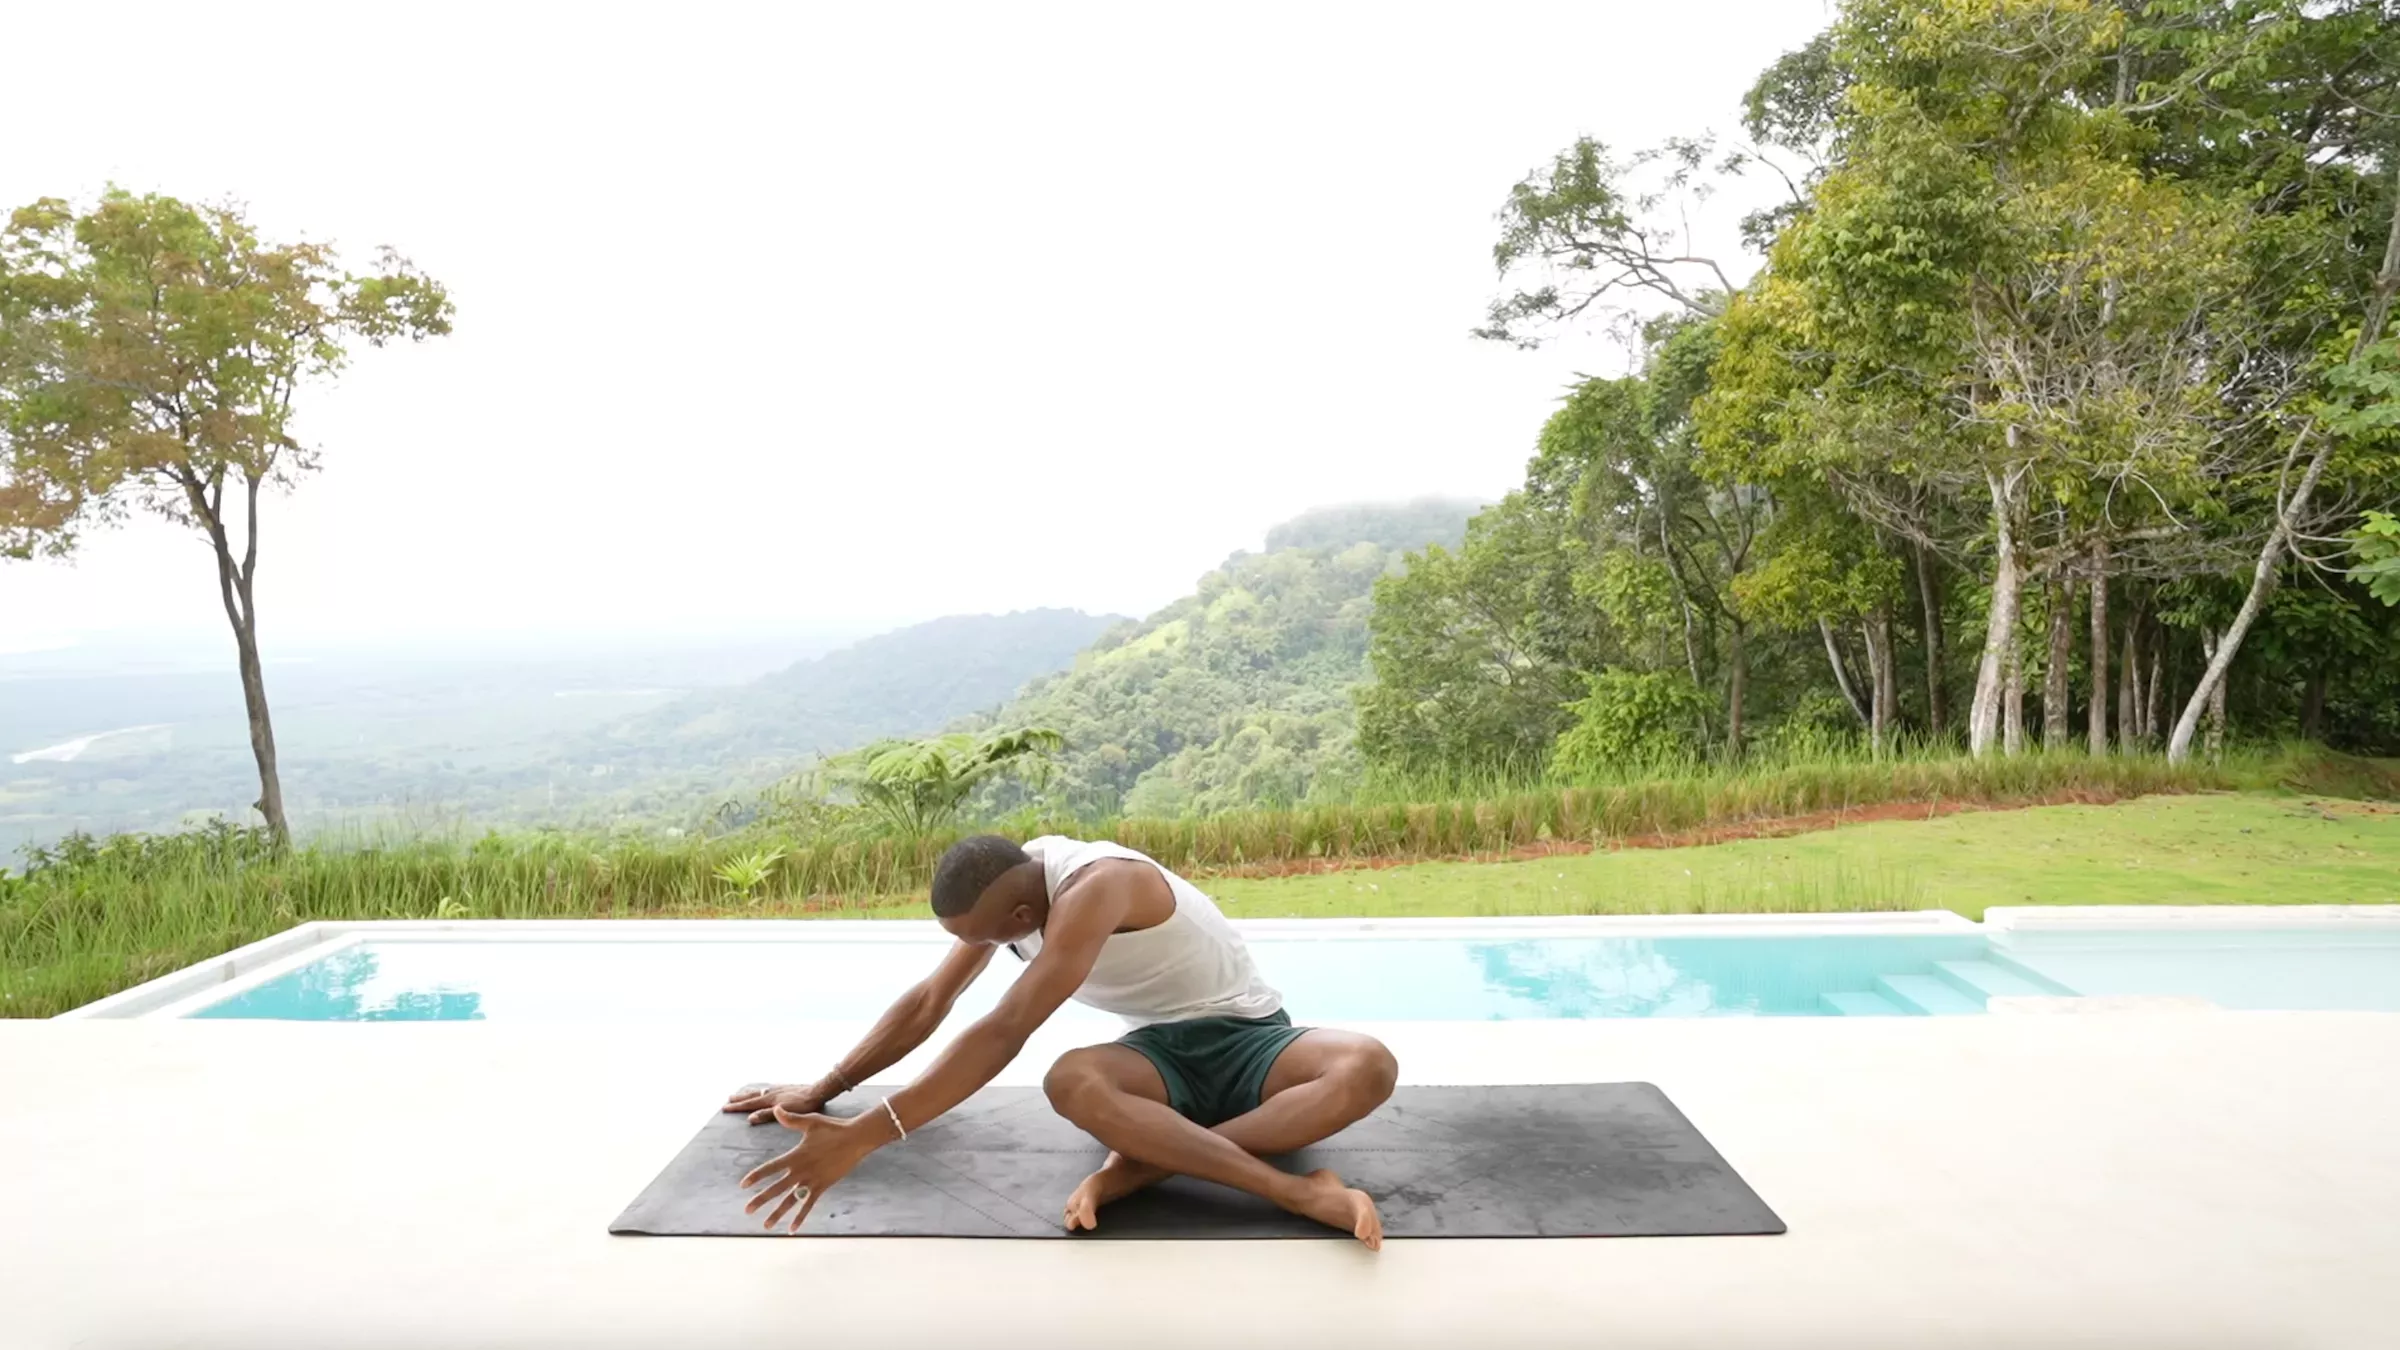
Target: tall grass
<point>93,917</point>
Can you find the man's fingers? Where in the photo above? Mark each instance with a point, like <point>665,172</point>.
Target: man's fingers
<point>781,1208</point>
<point>799,1120</point>
<point>802,1216</point>
<point>767,1169</point>
<point>772,1192</point>
<point>746,1099</point>
<point>762,1115</point>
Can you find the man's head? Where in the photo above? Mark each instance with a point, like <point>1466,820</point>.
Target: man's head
<point>988,890</point>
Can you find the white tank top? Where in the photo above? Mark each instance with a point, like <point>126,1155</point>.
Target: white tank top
<point>1192,965</point>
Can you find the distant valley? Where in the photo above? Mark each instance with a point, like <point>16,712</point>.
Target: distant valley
<point>1241,687</point>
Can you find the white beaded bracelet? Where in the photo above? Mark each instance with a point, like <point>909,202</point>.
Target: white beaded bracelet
<point>893,1112</point>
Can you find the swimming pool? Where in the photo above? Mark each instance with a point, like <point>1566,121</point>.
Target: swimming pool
<point>1933,964</point>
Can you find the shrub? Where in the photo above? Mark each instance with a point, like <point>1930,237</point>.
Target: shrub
<point>1629,719</point>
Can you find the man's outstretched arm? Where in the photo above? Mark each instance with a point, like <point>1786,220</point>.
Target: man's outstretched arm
<point>903,1027</point>
<point>1079,923</point>
<point>830,1148</point>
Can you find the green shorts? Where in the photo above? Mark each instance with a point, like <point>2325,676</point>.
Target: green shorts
<point>1215,1067</point>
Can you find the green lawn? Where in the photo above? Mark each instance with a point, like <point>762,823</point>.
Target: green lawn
<point>2218,848</point>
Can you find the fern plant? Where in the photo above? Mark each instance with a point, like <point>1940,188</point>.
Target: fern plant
<point>748,872</point>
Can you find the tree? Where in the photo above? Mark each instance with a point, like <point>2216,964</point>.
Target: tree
<point>2376,544</point>
<point>1630,721</point>
<point>1585,236</point>
<point>2056,285</point>
<point>1477,653</point>
<point>1647,505</point>
<point>918,786</point>
<point>1988,301</point>
<point>151,353</point>
<point>2291,506</point>
<point>1825,569</point>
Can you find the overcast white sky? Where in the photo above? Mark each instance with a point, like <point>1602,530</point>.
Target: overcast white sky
<point>854,314</point>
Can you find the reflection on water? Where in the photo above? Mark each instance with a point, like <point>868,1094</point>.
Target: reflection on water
<point>1692,976</point>
<point>1615,979</point>
<point>341,988</point>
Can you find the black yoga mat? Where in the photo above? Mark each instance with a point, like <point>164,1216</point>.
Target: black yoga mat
<point>1579,1160</point>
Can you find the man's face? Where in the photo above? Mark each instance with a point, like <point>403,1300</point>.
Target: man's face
<point>1010,909</point>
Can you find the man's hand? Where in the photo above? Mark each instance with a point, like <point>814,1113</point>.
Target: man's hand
<point>800,1099</point>
<point>829,1148</point>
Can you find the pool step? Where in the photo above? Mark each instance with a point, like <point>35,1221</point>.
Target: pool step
<point>1927,994</point>
<point>1980,980</point>
<point>1861,1004</point>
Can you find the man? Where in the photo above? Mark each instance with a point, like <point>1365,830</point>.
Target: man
<point>1212,1076</point>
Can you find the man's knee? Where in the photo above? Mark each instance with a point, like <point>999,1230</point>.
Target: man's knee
<point>1370,1071</point>
<point>1073,1084</point>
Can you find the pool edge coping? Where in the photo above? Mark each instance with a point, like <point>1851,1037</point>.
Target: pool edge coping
<point>2075,918</point>
<point>181,992</point>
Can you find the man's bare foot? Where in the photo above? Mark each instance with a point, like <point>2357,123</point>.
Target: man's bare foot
<point>1117,1178</point>
<point>1331,1203</point>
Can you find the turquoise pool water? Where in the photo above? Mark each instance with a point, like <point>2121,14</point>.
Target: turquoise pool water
<point>1428,978</point>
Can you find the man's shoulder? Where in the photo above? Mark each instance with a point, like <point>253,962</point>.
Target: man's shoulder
<point>1097,862</point>
<point>1058,849</point>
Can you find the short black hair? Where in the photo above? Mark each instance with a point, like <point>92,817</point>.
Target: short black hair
<point>968,867</point>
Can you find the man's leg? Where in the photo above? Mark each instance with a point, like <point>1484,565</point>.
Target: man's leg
<point>1114,1094</point>
<point>1322,1083</point>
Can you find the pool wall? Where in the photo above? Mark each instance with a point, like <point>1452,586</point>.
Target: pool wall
<point>206,982</point>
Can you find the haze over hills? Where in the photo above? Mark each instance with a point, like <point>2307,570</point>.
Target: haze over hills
<point>1240,687</point>
<point>142,736</point>
<point>714,742</point>
<point>375,740</point>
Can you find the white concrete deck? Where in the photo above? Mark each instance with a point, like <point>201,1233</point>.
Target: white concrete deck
<point>2177,1179</point>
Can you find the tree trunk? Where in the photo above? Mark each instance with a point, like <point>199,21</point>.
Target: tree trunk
<point>2216,719</point>
<point>2000,623</point>
<point>2174,671</point>
<point>2312,706</point>
<point>2270,556</point>
<point>1887,677</point>
<point>1683,601</point>
<point>2097,711</point>
<point>2212,645</point>
<point>1841,676</point>
<point>234,586</point>
<point>2012,706</point>
<point>1735,687</point>
<point>1876,628</point>
<point>2158,670</point>
<point>262,727</point>
<point>2054,669</point>
<point>1937,703</point>
<point>2128,730</point>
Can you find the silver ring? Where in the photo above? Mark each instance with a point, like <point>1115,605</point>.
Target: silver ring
<point>800,1192</point>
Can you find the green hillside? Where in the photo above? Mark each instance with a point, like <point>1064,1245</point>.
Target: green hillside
<point>1240,693</point>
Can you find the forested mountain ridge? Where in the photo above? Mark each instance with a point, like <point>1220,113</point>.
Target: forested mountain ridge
<point>1241,692</point>
<point>905,682</point>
